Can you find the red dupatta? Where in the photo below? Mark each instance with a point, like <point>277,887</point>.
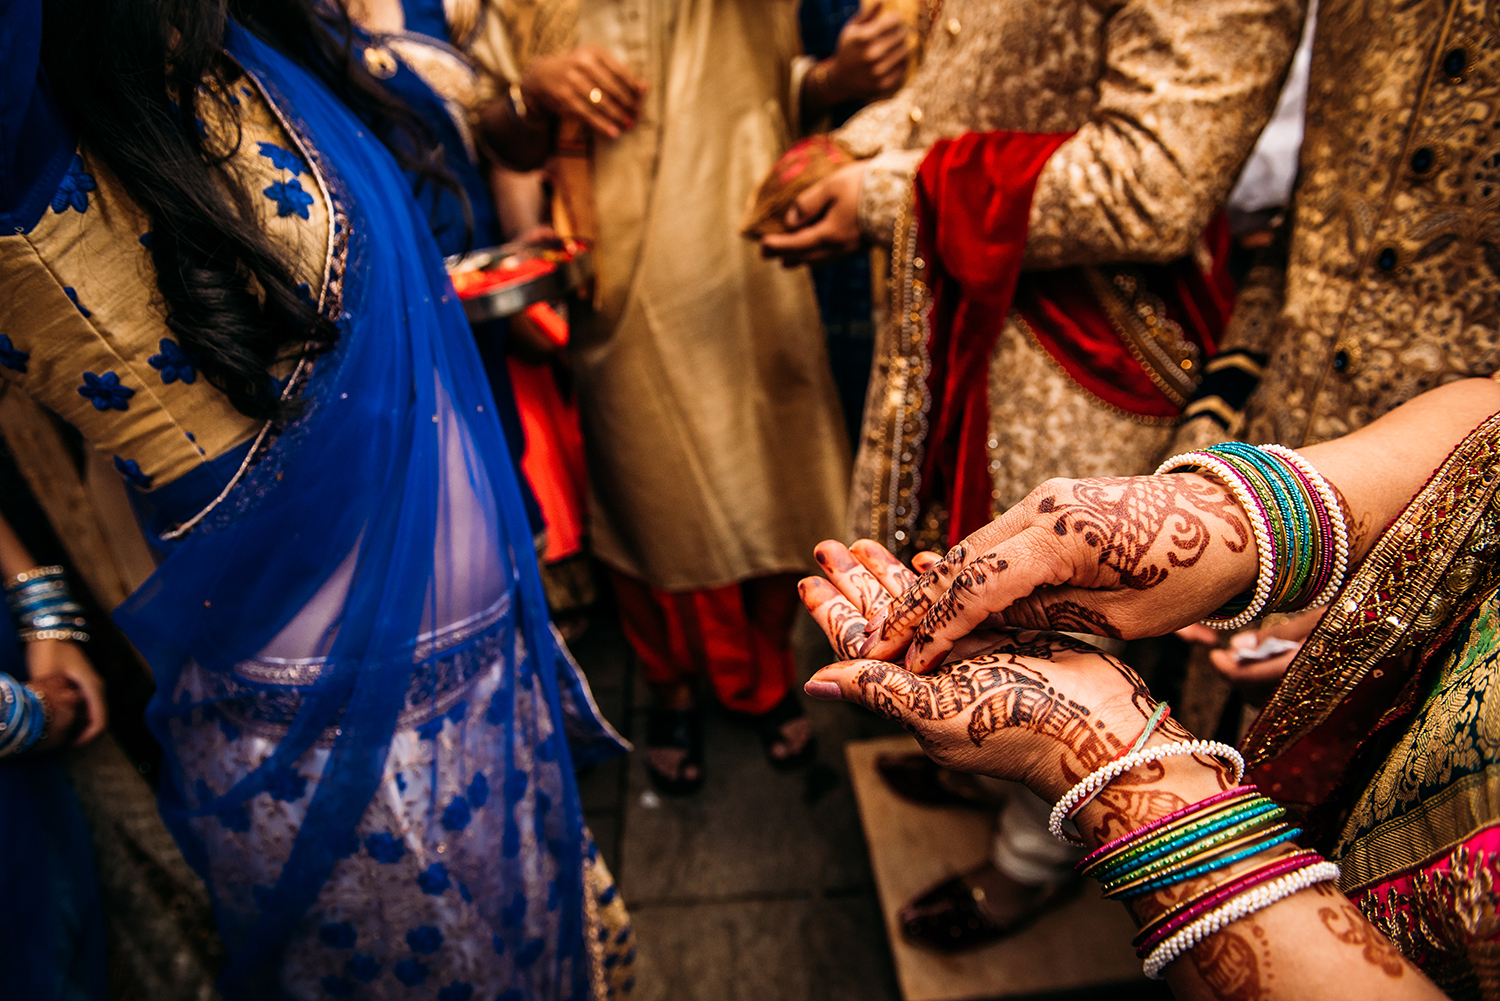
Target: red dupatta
<point>972,208</point>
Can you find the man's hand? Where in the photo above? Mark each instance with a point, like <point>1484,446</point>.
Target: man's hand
<point>824,221</point>
<point>870,60</point>
<point>568,84</point>
<point>64,676</point>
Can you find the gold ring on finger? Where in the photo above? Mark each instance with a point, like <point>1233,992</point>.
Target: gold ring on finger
<point>596,95</point>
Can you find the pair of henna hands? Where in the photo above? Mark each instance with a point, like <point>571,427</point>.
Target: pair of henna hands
<point>981,688</point>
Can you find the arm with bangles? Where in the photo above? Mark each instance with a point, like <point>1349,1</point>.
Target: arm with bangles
<point>1046,711</point>
<point>1141,556</point>
<point>58,669</point>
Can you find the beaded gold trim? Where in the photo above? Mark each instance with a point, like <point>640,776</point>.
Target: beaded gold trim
<point>1431,567</point>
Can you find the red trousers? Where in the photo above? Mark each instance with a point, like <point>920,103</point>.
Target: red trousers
<point>739,636</point>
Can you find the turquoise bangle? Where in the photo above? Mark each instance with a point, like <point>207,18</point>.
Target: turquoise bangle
<point>1243,811</point>
<point>1184,854</point>
<point>1220,863</point>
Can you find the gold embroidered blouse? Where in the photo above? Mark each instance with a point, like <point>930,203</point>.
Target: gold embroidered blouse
<point>82,326</point>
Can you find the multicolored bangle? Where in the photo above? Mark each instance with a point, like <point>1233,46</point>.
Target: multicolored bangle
<point>1241,905</point>
<point>1190,810</point>
<point>1169,923</point>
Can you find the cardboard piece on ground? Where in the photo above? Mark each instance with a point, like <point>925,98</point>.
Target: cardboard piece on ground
<point>1083,943</point>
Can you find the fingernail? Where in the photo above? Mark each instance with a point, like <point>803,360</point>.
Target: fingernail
<point>827,691</point>
<point>876,624</point>
<point>867,646</point>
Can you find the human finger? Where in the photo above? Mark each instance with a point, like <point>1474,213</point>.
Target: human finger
<point>1199,633</point>
<point>895,627</point>
<point>852,578</point>
<point>974,593</point>
<point>605,114</point>
<point>887,70</point>
<point>811,205</point>
<point>835,615</point>
<point>879,686</point>
<point>91,691</point>
<point>1254,672</point>
<point>615,89</point>
<point>794,247</point>
<point>893,575</point>
<point>62,701</point>
<point>635,86</point>
<point>925,561</point>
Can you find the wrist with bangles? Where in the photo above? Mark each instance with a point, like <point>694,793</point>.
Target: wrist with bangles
<point>1233,848</point>
<point>1296,518</point>
<point>25,716</point>
<point>42,607</point>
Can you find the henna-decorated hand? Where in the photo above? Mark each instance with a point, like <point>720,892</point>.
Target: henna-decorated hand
<point>1034,707</point>
<point>1123,557</point>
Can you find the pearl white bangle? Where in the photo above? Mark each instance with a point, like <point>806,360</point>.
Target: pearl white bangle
<point>1265,553</point>
<point>1238,907</point>
<point>1104,776</point>
<point>1335,514</point>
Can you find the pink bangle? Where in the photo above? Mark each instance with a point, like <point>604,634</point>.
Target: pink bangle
<point>1149,937</point>
<point>1175,815</point>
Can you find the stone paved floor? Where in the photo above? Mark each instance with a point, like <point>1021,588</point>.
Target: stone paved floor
<point>758,888</point>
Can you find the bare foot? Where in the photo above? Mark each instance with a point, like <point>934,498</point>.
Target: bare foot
<point>795,735</point>
<point>672,763</point>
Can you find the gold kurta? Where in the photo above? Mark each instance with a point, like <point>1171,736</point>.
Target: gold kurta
<point>1392,284</point>
<point>1166,97</point>
<point>716,446</point>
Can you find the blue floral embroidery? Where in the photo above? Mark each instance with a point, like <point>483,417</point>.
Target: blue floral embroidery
<point>624,934</point>
<point>339,987</point>
<point>105,391</point>
<point>282,159</point>
<point>435,879</point>
<point>456,815</point>
<point>479,790</point>
<point>430,729</point>
<point>608,895</point>
<point>515,784</point>
<point>459,710</point>
<point>400,782</point>
<point>362,968</point>
<point>456,991</point>
<point>71,293</point>
<point>495,714</point>
<point>385,847</point>
<point>12,357</point>
<point>74,190</point>
<point>145,239</point>
<point>463,891</point>
<point>173,363</point>
<point>410,972</point>
<point>289,198</point>
<point>131,470</point>
<point>236,818</point>
<point>424,940</point>
<point>338,935</point>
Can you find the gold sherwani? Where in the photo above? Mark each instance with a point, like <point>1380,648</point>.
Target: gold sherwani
<point>1166,97</point>
<point>1391,287</point>
<point>716,446</point>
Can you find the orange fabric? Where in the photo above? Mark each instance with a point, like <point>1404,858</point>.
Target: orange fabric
<point>739,636</point>
<point>553,462</point>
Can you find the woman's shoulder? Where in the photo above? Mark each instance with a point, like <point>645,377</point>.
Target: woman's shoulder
<point>83,329</point>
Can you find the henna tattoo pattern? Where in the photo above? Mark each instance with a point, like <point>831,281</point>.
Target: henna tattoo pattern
<point>1071,617</point>
<point>966,583</point>
<point>1126,809</point>
<point>1378,950</point>
<point>1127,528</point>
<point>913,604</point>
<point>1231,964</point>
<point>1001,692</point>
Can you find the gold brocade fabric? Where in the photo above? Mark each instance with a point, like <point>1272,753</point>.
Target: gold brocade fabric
<point>84,331</point>
<point>1166,99</point>
<point>715,441</point>
<point>1393,283</point>
<point>1424,573</point>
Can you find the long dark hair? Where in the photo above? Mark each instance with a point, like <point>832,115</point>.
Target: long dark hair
<point>133,77</point>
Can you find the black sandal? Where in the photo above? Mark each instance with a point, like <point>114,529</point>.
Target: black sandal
<point>768,726</point>
<point>676,729</point>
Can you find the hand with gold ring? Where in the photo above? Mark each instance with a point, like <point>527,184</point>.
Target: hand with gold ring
<point>587,83</point>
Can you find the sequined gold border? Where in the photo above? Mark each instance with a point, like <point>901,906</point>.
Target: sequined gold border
<point>1402,599</point>
<point>1423,833</point>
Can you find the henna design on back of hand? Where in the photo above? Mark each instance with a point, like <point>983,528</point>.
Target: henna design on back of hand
<point>1127,528</point>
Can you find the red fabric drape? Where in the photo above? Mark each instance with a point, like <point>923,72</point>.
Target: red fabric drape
<point>972,208</point>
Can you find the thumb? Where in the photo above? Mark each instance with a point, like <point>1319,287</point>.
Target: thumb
<point>809,205</point>
<point>884,688</point>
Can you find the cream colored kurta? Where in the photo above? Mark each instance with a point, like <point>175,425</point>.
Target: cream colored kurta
<point>716,447</point>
